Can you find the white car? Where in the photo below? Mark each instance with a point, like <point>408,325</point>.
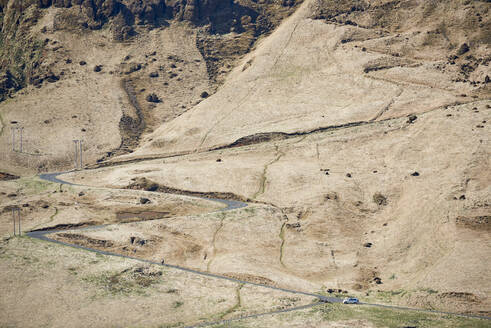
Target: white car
<point>350,300</point>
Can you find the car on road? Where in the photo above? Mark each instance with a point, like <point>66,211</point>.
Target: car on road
<point>351,300</point>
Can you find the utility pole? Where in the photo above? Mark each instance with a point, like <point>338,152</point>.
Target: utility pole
<point>21,130</point>
<point>13,138</point>
<point>17,133</point>
<point>80,142</point>
<point>16,217</point>
<point>78,154</point>
<point>75,142</point>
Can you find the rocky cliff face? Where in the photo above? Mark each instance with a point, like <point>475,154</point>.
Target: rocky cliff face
<point>21,53</point>
<point>221,16</point>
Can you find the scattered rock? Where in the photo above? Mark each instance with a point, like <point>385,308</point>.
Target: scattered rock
<point>411,118</point>
<point>331,196</point>
<point>368,245</point>
<point>377,280</point>
<point>293,225</point>
<point>97,68</point>
<point>133,67</point>
<point>415,174</point>
<point>81,194</point>
<point>480,222</point>
<point>463,49</point>
<point>144,200</point>
<point>12,195</point>
<point>348,175</point>
<point>7,176</point>
<point>487,79</point>
<point>50,77</point>
<point>68,61</point>
<point>462,197</point>
<point>219,159</point>
<point>154,74</point>
<point>137,241</point>
<point>379,199</point>
<point>153,98</point>
<point>204,94</point>
<point>82,63</point>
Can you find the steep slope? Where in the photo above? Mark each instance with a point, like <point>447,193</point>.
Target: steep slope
<point>391,206</point>
<point>366,142</point>
<point>314,73</point>
<point>357,130</point>
<point>108,72</point>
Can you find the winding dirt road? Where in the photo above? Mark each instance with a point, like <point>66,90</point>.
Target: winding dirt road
<point>230,205</point>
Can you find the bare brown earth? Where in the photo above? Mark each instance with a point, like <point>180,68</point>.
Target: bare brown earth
<point>48,206</point>
<point>358,131</point>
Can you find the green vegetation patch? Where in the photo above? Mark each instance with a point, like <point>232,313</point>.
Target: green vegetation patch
<point>392,318</point>
<point>34,185</point>
<point>131,281</point>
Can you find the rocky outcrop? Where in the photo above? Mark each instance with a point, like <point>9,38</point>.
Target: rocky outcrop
<point>221,16</point>
<point>22,54</point>
<point>7,84</point>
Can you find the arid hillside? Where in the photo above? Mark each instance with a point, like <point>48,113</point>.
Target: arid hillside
<point>355,134</point>
<point>109,72</point>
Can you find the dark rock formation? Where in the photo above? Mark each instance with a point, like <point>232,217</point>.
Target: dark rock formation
<point>152,98</point>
